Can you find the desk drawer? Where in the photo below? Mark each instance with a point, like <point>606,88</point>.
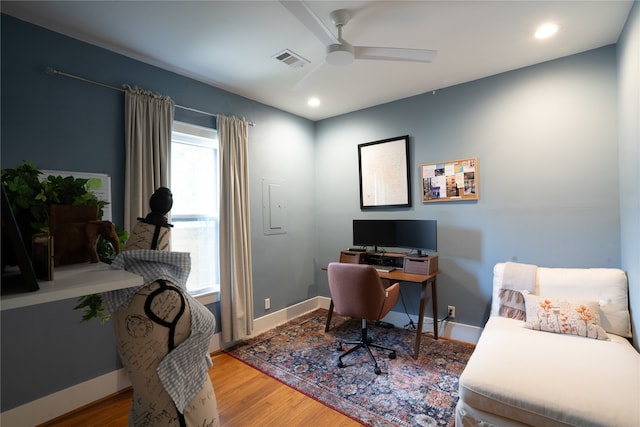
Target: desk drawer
<point>422,265</point>
<point>351,257</point>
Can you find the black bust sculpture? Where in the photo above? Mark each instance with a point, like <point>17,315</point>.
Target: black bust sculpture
<point>160,203</point>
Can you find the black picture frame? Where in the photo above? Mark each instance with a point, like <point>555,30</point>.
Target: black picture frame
<point>24,279</point>
<point>385,178</point>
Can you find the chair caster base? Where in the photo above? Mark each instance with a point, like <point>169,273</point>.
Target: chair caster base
<point>366,343</point>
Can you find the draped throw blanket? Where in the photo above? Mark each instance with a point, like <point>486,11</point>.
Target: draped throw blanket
<point>148,121</point>
<point>236,281</point>
<point>520,276</point>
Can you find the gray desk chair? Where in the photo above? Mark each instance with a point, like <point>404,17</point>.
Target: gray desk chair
<point>357,291</point>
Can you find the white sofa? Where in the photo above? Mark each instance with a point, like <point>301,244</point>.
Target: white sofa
<point>519,375</point>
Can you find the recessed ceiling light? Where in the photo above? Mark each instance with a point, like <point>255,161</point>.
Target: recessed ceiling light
<point>313,102</point>
<point>546,30</point>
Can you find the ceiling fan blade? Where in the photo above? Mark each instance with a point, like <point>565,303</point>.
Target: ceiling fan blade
<point>394,54</point>
<point>308,78</point>
<point>305,15</point>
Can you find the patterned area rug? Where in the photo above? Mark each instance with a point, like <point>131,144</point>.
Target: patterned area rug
<point>408,392</point>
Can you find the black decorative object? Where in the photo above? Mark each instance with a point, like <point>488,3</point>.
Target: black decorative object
<point>23,280</point>
<point>160,203</point>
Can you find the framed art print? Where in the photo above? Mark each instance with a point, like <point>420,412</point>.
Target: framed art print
<point>384,173</point>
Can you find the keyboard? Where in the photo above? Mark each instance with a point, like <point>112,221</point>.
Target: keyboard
<point>384,268</point>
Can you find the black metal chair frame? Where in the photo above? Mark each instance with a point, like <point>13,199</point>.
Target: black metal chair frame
<point>366,343</point>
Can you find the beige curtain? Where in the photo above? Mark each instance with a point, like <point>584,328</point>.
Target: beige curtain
<point>236,281</point>
<point>148,121</point>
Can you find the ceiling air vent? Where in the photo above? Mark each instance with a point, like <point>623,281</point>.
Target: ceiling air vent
<point>291,59</point>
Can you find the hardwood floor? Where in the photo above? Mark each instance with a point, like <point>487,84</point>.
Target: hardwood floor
<point>246,398</point>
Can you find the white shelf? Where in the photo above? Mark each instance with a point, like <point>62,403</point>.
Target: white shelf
<point>72,281</point>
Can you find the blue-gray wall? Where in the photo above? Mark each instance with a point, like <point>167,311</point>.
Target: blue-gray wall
<point>629,158</point>
<point>549,165</point>
<point>545,139</point>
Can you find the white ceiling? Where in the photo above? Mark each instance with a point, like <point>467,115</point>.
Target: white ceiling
<point>231,44</point>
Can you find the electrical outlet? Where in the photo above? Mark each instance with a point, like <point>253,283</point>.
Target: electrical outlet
<point>451,311</point>
<point>267,303</point>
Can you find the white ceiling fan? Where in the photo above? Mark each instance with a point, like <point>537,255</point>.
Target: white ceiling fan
<point>341,52</point>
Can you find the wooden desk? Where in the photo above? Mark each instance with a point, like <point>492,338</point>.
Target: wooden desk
<point>398,275</point>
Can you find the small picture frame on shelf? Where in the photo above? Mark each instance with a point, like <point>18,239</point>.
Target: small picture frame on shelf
<point>42,255</point>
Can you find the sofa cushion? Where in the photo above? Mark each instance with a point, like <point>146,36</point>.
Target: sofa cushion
<point>562,316</point>
<point>607,286</point>
<point>547,379</point>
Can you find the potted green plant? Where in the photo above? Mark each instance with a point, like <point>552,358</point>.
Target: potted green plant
<point>31,196</point>
<point>92,304</point>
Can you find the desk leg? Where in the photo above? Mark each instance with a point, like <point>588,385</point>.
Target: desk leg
<point>423,297</point>
<point>434,302</point>
<point>328,325</point>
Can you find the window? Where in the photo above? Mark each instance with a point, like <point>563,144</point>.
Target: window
<point>196,198</point>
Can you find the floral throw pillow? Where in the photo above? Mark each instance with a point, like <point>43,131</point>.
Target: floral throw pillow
<point>511,304</point>
<point>564,317</point>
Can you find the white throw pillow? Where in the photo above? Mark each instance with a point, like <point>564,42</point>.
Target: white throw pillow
<point>562,316</point>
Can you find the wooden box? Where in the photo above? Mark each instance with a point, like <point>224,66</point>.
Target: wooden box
<point>421,265</point>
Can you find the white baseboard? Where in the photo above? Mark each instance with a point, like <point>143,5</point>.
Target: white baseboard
<point>447,329</point>
<point>450,330</point>
<point>269,321</point>
<point>79,395</point>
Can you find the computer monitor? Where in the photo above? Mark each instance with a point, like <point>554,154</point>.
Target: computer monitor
<point>374,232</point>
<point>410,234</point>
<point>421,234</point>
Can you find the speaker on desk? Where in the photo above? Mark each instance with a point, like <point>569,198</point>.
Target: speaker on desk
<point>421,265</point>
<point>349,257</point>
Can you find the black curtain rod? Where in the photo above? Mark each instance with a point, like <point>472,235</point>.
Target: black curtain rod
<point>53,71</point>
